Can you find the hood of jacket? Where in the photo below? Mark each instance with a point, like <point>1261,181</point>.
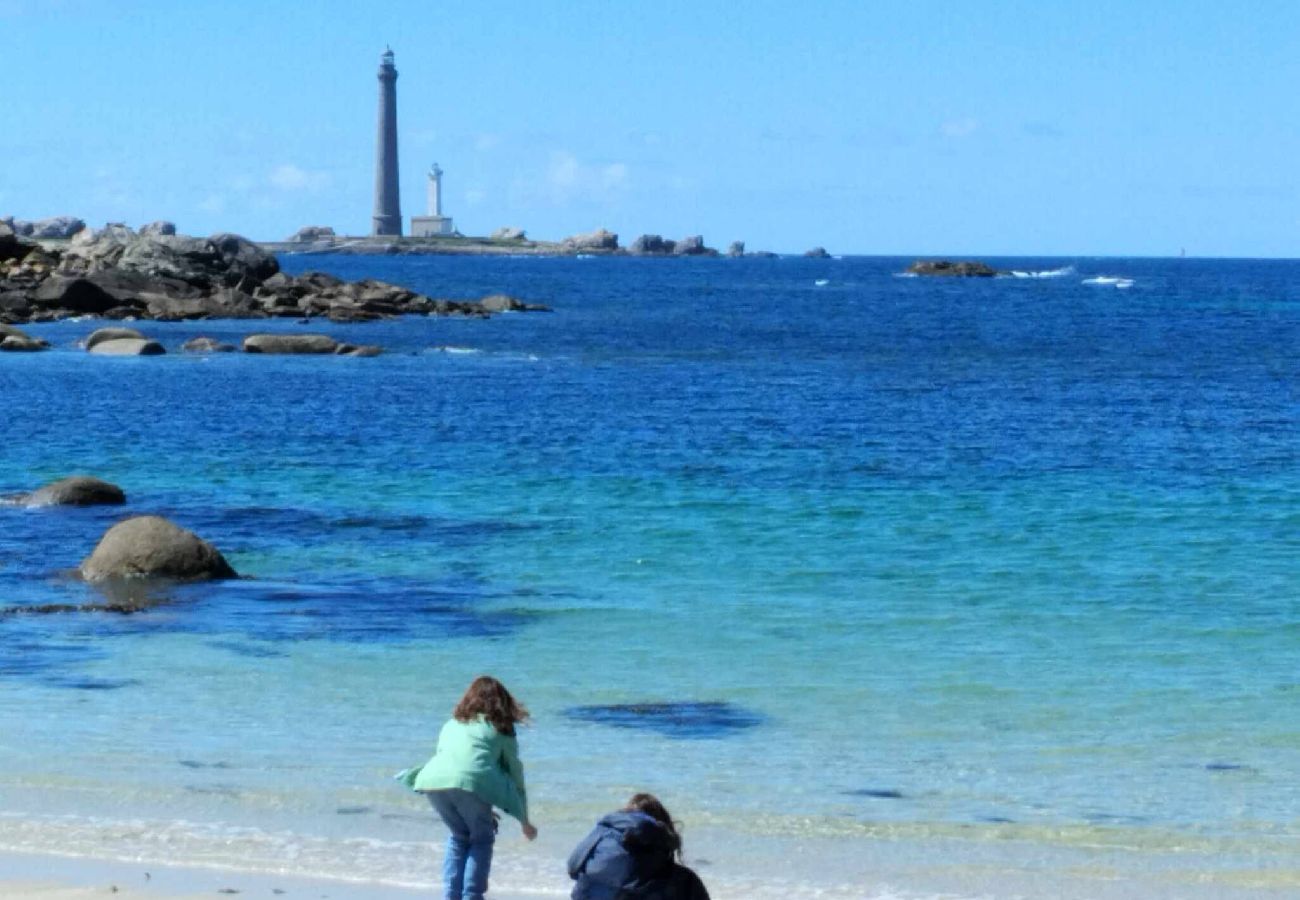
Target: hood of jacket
<point>640,834</point>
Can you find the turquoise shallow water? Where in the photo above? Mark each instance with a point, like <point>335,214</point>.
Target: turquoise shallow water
<point>1005,563</point>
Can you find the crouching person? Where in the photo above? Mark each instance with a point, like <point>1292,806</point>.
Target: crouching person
<point>634,853</point>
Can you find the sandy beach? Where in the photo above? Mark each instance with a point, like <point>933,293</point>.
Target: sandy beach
<point>67,878</point>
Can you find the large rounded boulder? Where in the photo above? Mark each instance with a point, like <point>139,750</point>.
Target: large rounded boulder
<point>127,347</point>
<point>153,547</point>
<point>290,343</point>
<point>76,490</point>
<point>99,335</point>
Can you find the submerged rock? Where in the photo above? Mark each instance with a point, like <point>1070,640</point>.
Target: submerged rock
<point>76,490</point>
<point>207,345</point>
<point>947,267</point>
<point>498,303</point>
<point>14,340</point>
<point>151,546</point>
<point>99,335</point>
<point>290,343</point>
<point>127,346</point>
<point>358,350</point>
<point>22,344</point>
<point>679,720</point>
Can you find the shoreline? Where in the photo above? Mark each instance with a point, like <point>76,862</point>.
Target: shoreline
<point>60,877</point>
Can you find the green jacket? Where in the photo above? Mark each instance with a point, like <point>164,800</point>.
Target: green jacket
<point>475,757</point>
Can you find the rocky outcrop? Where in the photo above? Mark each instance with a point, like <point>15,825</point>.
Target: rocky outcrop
<point>76,490</point>
<point>508,233</point>
<point>127,347</point>
<point>309,233</point>
<point>153,547</point>
<point>99,335</point>
<point>118,274</point>
<point>207,345</point>
<point>290,343</point>
<point>736,250</point>
<point>600,239</point>
<point>160,228</point>
<point>358,350</point>
<point>949,268</point>
<point>498,303</point>
<point>763,254</point>
<point>79,296</point>
<point>650,245</point>
<point>54,227</point>
<point>693,245</point>
<point>817,253</point>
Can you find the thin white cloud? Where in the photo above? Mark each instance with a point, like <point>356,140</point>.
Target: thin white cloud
<point>213,203</point>
<point>959,128</point>
<point>487,141</point>
<point>569,178</point>
<point>291,178</point>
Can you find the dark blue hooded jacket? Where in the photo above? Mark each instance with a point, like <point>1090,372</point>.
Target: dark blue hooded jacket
<point>631,856</point>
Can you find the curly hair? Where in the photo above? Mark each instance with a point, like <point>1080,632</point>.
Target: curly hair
<point>489,698</point>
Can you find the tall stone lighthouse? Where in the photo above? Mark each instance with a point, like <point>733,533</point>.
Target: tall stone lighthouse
<point>387,219</point>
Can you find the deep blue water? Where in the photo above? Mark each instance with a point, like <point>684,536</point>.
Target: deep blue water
<point>1016,550</point>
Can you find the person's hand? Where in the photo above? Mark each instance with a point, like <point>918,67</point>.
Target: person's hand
<point>530,831</point>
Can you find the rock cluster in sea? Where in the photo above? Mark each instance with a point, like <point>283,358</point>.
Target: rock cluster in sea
<point>949,268</point>
<point>144,546</point>
<point>117,273</point>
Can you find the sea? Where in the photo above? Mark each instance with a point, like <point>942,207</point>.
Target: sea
<point>888,587</point>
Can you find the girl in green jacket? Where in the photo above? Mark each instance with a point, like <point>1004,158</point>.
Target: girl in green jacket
<point>475,768</point>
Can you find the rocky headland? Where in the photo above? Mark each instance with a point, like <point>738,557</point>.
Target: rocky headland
<point>118,273</point>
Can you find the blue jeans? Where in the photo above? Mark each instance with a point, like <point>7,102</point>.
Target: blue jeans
<point>469,846</point>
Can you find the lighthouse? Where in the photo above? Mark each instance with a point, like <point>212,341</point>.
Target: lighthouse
<point>435,223</point>
<point>387,219</point>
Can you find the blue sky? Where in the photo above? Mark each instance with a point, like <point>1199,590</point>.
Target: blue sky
<point>1032,128</point>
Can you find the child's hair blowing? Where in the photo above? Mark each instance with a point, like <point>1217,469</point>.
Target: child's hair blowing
<point>489,698</point>
<point>650,805</point>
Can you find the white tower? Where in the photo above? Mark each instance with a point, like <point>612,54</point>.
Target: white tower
<point>435,191</point>
<point>435,223</point>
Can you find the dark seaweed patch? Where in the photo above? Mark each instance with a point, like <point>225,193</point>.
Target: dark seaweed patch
<point>196,764</point>
<point>92,684</point>
<point>1228,767</point>
<point>687,720</point>
<point>352,810</point>
<point>251,651</point>
<point>996,820</point>
<point>877,793</point>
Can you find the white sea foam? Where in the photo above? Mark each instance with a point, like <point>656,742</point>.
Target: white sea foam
<point>1117,281</point>
<point>1045,273</point>
<point>455,350</point>
<point>904,274</point>
<point>822,282</point>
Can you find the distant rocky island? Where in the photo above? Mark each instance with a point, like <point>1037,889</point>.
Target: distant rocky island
<point>514,241</point>
<point>58,269</point>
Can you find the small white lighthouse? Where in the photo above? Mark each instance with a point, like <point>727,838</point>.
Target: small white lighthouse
<point>435,223</point>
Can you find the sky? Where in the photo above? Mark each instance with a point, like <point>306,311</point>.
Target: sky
<point>1046,128</point>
